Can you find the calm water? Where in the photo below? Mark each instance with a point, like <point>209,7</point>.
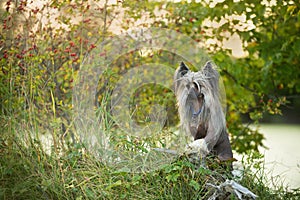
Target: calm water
<point>282,159</point>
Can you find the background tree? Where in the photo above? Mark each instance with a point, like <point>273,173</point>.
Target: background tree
<point>40,57</point>
<point>42,47</point>
<point>265,77</point>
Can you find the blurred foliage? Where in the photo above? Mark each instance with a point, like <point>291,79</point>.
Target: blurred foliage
<point>42,48</point>
<point>265,77</point>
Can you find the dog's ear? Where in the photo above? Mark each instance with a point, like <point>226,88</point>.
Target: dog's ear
<point>212,74</point>
<point>179,73</point>
<point>183,69</point>
<point>208,69</point>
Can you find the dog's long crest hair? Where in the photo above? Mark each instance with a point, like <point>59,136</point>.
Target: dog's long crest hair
<point>200,109</point>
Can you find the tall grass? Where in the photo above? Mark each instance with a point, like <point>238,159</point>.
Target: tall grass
<point>28,172</point>
<point>67,170</point>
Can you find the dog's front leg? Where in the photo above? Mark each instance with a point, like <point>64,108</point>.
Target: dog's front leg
<point>197,150</point>
<point>198,146</point>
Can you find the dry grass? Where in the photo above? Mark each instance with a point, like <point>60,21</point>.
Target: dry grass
<point>27,172</point>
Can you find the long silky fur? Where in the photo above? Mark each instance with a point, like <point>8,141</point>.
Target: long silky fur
<point>212,115</point>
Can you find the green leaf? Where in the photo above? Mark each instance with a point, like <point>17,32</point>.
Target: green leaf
<point>195,185</point>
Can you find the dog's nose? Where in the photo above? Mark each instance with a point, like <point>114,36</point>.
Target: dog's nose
<point>192,93</point>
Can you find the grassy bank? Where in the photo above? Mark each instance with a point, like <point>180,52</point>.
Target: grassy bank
<point>27,172</point>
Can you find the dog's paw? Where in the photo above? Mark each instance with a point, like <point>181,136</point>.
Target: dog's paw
<point>198,147</point>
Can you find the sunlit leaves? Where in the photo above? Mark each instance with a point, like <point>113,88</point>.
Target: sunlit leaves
<point>267,75</point>
<point>39,55</point>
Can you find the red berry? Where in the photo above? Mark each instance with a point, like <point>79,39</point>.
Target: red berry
<point>92,46</point>
<point>67,50</point>
<point>72,44</point>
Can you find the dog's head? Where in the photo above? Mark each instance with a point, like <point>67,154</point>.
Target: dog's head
<point>195,92</point>
<point>200,109</point>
